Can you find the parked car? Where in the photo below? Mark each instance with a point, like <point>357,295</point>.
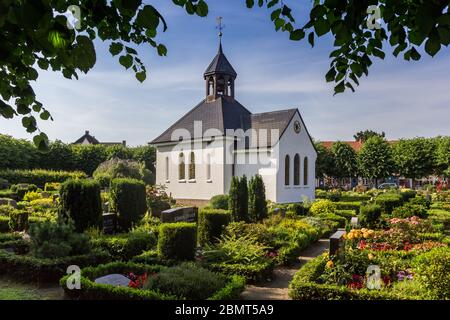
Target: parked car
<point>388,185</point>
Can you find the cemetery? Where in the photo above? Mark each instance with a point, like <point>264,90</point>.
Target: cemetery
<point>132,241</point>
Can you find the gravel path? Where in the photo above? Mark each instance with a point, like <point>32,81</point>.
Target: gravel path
<point>277,288</point>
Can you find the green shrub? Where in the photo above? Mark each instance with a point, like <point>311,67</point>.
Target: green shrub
<point>26,268</point>
<point>257,207</point>
<point>6,209</point>
<point>31,195</point>
<point>211,225</point>
<point>38,176</point>
<point>238,199</point>
<point>128,201</point>
<point>81,202</point>
<point>57,240</point>
<point>177,241</point>
<point>4,224</point>
<point>420,201</point>
<point>187,280</point>
<point>4,184</point>
<point>347,214</point>
<point>369,215</point>
<point>322,207</point>
<point>432,268</point>
<point>18,220</point>
<point>122,168</point>
<point>388,201</point>
<point>52,186</point>
<point>410,210</point>
<point>439,216</point>
<point>338,220</point>
<point>126,246</point>
<point>348,206</point>
<point>22,189</point>
<point>219,201</point>
<point>407,194</point>
<point>158,200</point>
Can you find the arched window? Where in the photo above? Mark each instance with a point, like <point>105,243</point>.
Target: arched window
<point>208,167</point>
<point>296,170</point>
<point>181,168</point>
<point>286,170</point>
<point>192,166</point>
<point>167,168</point>
<point>305,171</point>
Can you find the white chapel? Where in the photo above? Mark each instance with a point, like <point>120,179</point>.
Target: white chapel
<point>219,138</point>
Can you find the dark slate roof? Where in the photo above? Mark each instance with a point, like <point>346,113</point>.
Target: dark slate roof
<point>220,64</point>
<point>223,113</point>
<point>90,139</point>
<point>275,120</point>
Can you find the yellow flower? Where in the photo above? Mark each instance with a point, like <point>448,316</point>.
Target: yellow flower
<point>350,236</point>
<point>366,235</point>
<point>330,264</point>
<point>370,256</point>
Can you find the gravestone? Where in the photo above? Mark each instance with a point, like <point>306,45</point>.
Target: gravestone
<point>280,211</point>
<point>115,279</point>
<point>109,222</point>
<point>7,201</point>
<point>354,223</point>
<point>105,206</point>
<point>181,214</point>
<point>337,243</point>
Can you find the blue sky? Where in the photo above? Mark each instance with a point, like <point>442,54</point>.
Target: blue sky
<point>404,99</point>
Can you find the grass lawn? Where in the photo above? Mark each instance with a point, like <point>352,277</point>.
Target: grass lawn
<point>12,290</point>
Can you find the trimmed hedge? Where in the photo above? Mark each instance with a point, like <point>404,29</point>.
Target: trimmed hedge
<point>251,272</point>
<point>347,214</point>
<point>30,269</point>
<point>304,286</point>
<point>212,223</point>
<point>94,291</point>
<point>80,201</point>
<point>39,177</point>
<point>219,202</point>
<point>4,222</point>
<point>126,246</point>
<point>389,201</point>
<point>370,215</point>
<point>177,241</point>
<point>128,201</point>
<point>356,205</point>
<point>18,220</point>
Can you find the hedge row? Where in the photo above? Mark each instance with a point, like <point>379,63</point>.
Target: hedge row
<point>304,286</point>
<point>348,205</point>
<point>39,177</point>
<point>30,269</point>
<point>177,241</point>
<point>251,272</point>
<point>5,226</point>
<point>212,223</point>
<point>94,291</point>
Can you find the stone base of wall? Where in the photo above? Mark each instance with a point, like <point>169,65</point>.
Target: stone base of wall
<point>192,202</point>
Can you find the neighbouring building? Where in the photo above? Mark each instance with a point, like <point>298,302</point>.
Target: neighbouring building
<point>87,139</point>
<point>198,155</point>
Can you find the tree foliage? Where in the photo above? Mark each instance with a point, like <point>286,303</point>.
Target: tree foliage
<point>324,161</point>
<point>363,136</point>
<point>344,156</point>
<point>414,158</point>
<point>375,159</point>
<point>34,35</point>
<point>257,207</point>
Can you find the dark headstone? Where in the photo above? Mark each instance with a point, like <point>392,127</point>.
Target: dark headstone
<point>337,243</point>
<point>109,222</point>
<point>181,214</point>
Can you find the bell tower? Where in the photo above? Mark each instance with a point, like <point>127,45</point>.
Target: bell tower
<point>220,75</point>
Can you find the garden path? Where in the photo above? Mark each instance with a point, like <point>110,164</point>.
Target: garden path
<point>277,287</point>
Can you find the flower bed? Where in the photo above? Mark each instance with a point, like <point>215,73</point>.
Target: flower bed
<point>138,288</point>
<point>411,261</point>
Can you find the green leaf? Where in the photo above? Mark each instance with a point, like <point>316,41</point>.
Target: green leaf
<point>162,50</point>
<point>43,64</point>
<point>378,53</point>
<point>414,54</point>
<point>45,115</point>
<point>279,23</point>
<point>84,56</point>
<point>115,48</point>
<point>339,88</point>
<point>41,141</point>
<point>432,46</point>
<point>141,76</point>
<point>126,61</point>
<point>444,35</point>
<point>202,9</point>
<point>357,69</point>
<point>6,110</point>
<point>297,35</point>
<point>275,14</point>
<point>147,18</point>
<point>311,39</point>
<point>321,27</point>
<point>250,3</point>
<point>331,74</point>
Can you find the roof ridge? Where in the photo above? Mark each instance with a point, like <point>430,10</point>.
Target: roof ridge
<point>276,111</point>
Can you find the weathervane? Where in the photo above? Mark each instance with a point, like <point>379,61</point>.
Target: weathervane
<point>220,26</point>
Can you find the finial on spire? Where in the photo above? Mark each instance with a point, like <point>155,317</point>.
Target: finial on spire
<point>220,27</point>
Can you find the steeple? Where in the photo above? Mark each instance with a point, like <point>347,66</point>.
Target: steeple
<point>219,75</point>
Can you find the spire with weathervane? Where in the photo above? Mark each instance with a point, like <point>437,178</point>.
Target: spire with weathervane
<point>219,75</point>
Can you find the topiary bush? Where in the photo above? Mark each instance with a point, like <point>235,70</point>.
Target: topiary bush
<point>322,207</point>
<point>410,210</point>
<point>432,268</point>
<point>388,201</point>
<point>177,241</point>
<point>219,201</point>
<point>212,223</point>
<point>369,215</point>
<point>80,201</point>
<point>257,207</point>
<point>238,199</point>
<point>128,200</point>
<point>18,220</point>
